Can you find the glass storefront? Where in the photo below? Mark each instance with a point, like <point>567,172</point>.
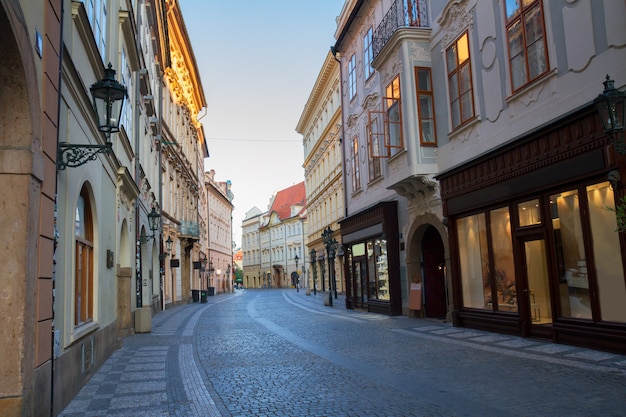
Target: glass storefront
<point>582,255</point>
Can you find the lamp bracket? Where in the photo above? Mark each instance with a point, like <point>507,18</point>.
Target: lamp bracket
<point>71,155</point>
<point>144,239</point>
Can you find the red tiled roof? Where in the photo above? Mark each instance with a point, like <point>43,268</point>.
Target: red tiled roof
<point>292,196</point>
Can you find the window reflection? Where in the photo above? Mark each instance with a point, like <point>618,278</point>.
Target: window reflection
<point>528,213</point>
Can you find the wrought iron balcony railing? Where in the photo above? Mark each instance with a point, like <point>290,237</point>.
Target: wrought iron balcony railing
<point>189,229</point>
<point>401,14</point>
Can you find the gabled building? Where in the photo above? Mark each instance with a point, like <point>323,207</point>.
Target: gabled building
<point>393,230</point>
<point>529,179</point>
<point>282,234</point>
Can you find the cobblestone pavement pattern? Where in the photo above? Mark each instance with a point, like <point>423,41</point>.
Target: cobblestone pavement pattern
<point>275,353</point>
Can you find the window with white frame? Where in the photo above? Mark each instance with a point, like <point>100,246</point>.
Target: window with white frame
<point>426,106</point>
<point>375,144</point>
<point>352,77</point>
<point>97,14</point>
<point>368,53</point>
<point>356,174</point>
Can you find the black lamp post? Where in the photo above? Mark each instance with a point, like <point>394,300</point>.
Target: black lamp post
<point>610,105</point>
<point>211,270</point>
<point>322,272</point>
<point>296,258</point>
<point>331,250</point>
<point>314,270</point>
<point>108,100</point>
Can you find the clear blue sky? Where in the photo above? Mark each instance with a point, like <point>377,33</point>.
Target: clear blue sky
<point>258,60</point>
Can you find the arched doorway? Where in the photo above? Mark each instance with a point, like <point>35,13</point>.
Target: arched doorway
<point>433,273</point>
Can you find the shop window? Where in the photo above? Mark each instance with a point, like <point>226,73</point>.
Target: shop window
<point>460,81</point>
<point>503,262</point>
<point>83,271</point>
<point>426,107</point>
<point>378,269</point>
<point>528,213</point>
<point>474,262</point>
<point>525,31</point>
<point>570,252</point>
<point>607,253</point>
<point>352,77</point>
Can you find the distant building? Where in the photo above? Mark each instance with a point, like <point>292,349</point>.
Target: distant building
<point>220,234</point>
<point>251,248</point>
<point>281,234</point>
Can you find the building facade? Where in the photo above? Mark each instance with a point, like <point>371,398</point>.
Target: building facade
<point>281,236</point>
<point>220,234</point>
<point>529,179</point>
<point>91,185</point>
<point>251,248</point>
<point>393,232</point>
<point>180,137</point>
<point>320,127</point>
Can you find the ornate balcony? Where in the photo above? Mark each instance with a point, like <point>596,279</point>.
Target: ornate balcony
<point>401,14</point>
<point>189,229</point>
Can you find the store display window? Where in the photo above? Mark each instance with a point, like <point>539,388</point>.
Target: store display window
<point>487,285</point>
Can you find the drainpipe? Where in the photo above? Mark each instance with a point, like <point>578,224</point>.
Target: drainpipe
<point>56,195</point>
<point>138,276</point>
<point>335,52</point>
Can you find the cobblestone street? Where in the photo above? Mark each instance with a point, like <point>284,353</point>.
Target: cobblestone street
<point>283,353</point>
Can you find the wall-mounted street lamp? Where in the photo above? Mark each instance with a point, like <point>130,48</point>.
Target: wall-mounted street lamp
<point>610,105</point>
<point>108,100</point>
<point>168,244</point>
<point>154,222</point>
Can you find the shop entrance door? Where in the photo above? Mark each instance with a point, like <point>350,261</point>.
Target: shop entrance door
<point>359,282</point>
<point>536,311</point>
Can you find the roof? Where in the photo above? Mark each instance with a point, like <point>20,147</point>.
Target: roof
<point>287,198</point>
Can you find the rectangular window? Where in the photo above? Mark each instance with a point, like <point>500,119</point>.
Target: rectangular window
<point>375,145</point>
<point>378,270</point>
<point>426,107</point>
<point>97,14</point>
<point>368,53</point>
<point>356,174</point>
<point>393,139</point>
<point>528,51</point>
<point>460,81</point>
<point>474,262</point>
<point>352,77</point>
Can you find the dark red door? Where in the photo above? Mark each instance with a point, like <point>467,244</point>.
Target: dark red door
<point>434,273</point>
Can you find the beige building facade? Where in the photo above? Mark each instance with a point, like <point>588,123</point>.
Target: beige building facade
<point>321,128</point>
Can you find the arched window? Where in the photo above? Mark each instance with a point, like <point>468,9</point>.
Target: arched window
<point>83,284</point>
